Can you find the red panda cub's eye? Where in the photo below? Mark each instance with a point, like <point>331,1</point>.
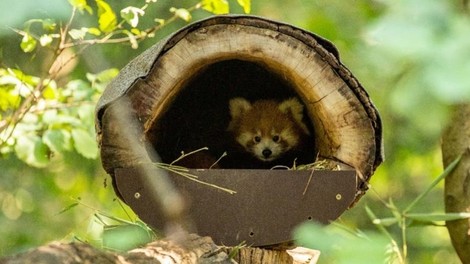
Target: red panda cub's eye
<point>276,138</point>
<point>257,139</point>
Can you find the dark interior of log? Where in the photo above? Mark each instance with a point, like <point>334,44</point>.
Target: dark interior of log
<point>199,114</point>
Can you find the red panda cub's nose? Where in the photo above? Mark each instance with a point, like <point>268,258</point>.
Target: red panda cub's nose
<point>267,152</point>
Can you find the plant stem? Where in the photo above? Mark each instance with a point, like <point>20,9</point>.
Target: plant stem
<point>404,243</point>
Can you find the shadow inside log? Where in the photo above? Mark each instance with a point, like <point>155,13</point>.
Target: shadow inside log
<point>199,117</point>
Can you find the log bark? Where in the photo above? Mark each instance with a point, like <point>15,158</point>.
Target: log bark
<point>195,249</point>
<point>456,141</point>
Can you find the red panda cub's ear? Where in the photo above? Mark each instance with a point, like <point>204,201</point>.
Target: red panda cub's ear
<point>238,106</point>
<point>293,107</point>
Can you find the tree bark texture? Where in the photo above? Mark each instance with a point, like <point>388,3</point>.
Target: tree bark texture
<point>193,250</point>
<point>456,141</point>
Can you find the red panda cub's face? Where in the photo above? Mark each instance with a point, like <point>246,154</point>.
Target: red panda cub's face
<point>267,129</point>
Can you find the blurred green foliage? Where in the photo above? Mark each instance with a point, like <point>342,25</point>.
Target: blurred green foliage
<point>412,56</point>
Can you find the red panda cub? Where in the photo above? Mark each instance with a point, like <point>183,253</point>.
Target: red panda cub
<point>267,129</point>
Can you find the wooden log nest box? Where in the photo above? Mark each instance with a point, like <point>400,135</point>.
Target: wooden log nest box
<point>179,95</point>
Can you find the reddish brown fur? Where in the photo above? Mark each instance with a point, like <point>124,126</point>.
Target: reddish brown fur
<point>266,119</point>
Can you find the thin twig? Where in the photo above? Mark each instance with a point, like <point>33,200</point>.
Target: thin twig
<point>65,30</point>
<point>178,170</point>
<point>308,182</point>
<point>109,40</point>
<point>217,161</point>
<point>184,155</point>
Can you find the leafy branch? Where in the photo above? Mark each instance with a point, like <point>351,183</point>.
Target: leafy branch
<point>405,219</point>
<point>29,99</point>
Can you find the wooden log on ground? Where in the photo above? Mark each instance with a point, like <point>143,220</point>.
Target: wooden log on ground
<point>193,250</point>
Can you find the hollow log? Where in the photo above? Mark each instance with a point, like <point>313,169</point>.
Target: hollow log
<point>179,92</point>
<point>184,83</point>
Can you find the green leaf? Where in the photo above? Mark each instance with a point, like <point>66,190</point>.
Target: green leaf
<point>81,5</point>
<point>94,31</point>
<point>81,33</point>
<point>8,98</point>
<point>48,24</point>
<point>55,120</point>
<point>86,113</point>
<point>51,92</point>
<point>131,15</point>
<point>85,143</point>
<point>125,237</point>
<point>106,75</point>
<point>58,140</point>
<point>68,208</point>
<point>136,31</point>
<point>28,43</point>
<point>79,90</point>
<point>101,79</point>
<point>31,149</point>
<point>45,40</point>
<point>217,6</point>
<point>181,13</point>
<point>107,18</point>
<point>78,33</point>
<point>338,246</point>
<point>246,4</point>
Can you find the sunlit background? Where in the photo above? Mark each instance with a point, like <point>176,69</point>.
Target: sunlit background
<point>413,57</point>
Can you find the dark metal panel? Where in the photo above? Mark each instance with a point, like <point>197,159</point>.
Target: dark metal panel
<point>267,206</point>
